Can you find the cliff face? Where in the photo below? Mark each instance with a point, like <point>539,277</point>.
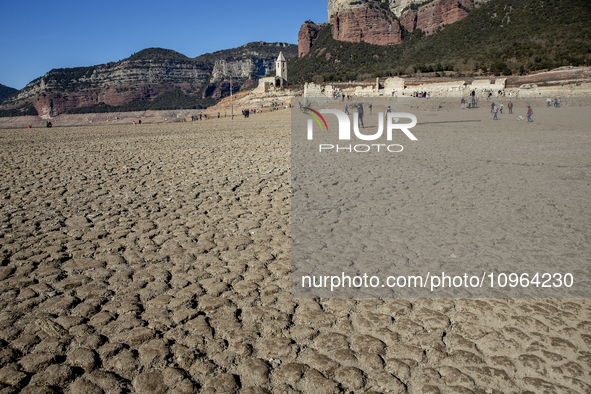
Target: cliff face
<point>398,7</point>
<point>113,84</point>
<point>366,25</point>
<point>242,69</point>
<point>149,75</point>
<point>379,22</point>
<point>307,35</point>
<point>435,15</point>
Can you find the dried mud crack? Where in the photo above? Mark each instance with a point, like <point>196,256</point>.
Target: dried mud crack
<point>156,259</point>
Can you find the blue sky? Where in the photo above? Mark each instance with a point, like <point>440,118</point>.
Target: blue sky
<point>37,36</point>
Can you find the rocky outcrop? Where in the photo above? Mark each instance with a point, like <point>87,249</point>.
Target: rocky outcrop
<point>398,7</point>
<point>409,20</point>
<point>435,15</point>
<point>113,84</point>
<point>307,35</point>
<point>337,6</point>
<point>366,25</point>
<point>379,22</point>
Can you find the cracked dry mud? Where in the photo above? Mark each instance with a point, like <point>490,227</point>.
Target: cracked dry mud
<point>156,259</point>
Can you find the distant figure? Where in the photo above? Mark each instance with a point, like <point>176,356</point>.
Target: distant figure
<point>492,107</point>
<point>360,113</point>
<point>557,103</point>
<point>463,102</point>
<point>496,111</point>
<point>218,115</point>
<point>48,124</point>
<point>370,107</point>
<point>139,121</point>
<point>548,102</point>
<point>530,112</point>
<point>510,106</point>
<point>501,108</point>
<point>29,126</point>
<point>347,109</point>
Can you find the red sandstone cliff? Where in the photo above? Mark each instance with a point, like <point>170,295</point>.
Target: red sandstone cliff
<point>371,22</point>
<point>437,14</point>
<point>366,25</point>
<point>307,36</point>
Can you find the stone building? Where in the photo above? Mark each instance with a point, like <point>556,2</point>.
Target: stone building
<point>269,84</point>
<point>281,70</point>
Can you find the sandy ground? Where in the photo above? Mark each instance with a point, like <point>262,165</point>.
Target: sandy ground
<point>156,259</point>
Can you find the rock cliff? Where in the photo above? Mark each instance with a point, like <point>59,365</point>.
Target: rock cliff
<point>151,78</point>
<point>307,36</point>
<point>435,15</point>
<point>366,25</point>
<point>382,22</point>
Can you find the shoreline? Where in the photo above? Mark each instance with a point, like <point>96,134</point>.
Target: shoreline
<point>179,116</point>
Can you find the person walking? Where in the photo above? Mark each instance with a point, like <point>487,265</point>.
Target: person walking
<point>347,109</point>
<point>388,111</point>
<point>530,112</point>
<point>496,111</point>
<point>360,114</point>
<point>510,106</point>
<point>492,107</point>
<point>501,108</point>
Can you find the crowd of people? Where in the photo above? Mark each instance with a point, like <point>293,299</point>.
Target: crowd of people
<point>496,109</point>
<point>421,95</point>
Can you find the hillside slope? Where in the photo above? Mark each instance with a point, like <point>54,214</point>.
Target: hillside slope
<point>153,78</point>
<point>501,37</point>
<point>6,91</point>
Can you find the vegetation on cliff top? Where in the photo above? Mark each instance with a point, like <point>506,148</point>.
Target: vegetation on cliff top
<point>159,54</point>
<point>500,37</point>
<point>23,110</point>
<point>259,49</point>
<point>6,91</point>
